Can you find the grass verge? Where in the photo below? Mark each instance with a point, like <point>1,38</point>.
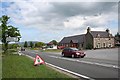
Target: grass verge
<point>0,65</point>
<point>15,66</point>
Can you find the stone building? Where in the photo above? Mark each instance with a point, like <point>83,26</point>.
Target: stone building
<point>92,39</point>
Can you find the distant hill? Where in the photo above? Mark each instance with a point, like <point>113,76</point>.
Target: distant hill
<point>22,43</point>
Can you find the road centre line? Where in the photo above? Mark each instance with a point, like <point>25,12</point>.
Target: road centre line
<point>87,62</point>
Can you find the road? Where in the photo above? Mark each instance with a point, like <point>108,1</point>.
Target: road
<point>95,67</point>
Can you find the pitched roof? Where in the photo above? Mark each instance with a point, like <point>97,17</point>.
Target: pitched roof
<point>103,34</point>
<point>75,39</point>
<point>80,38</point>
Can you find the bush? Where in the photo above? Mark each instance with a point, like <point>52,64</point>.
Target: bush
<point>39,44</point>
<point>25,44</point>
<point>13,46</point>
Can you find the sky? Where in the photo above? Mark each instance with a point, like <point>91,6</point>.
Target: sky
<point>47,20</point>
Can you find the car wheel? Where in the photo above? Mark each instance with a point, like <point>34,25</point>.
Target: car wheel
<point>73,56</point>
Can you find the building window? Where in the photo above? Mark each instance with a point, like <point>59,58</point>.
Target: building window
<point>98,45</point>
<point>110,45</point>
<point>82,45</point>
<point>103,44</point>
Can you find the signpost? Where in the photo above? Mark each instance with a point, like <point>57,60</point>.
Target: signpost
<point>12,39</point>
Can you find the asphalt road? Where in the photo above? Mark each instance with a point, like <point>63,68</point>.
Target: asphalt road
<point>95,67</point>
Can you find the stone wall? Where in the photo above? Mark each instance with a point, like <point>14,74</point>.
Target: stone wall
<point>103,42</point>
<point>88,40</point>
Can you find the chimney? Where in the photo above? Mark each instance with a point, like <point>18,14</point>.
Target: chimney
<point>88,29</point>
<point>107,30</point>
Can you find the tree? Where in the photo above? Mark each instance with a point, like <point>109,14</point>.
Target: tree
<point>0,33</point>
<point>39,44</point>
<point>117,35</point>
<point>117,39</point>
<point>31,44</point>
<point>7,31</point>
<point>54,42</point>
<point>25,44</point>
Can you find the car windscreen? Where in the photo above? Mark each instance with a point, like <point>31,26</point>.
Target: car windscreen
<point>74,49</point>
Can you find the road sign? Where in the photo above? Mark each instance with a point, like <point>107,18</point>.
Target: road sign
<point>12,39</point>
<point>38,60</point>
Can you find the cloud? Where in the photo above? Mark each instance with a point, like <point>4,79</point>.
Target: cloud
<point>61,0</point>
<point>62,16</point>
<point>74,22</point>
<point>54,14</point>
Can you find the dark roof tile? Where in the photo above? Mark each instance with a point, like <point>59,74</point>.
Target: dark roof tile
<point>103,34</point>
<point>81,38</point>
<point>75,39</point>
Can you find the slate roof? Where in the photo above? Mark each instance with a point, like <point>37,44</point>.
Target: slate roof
<point>80,38</point>
<point>75,39</point>
<point>103,34</point>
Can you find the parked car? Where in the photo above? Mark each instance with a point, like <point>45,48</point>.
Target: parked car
<point>73,52</point>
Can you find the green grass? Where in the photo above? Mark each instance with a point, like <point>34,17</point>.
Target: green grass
<point>0,65</point>
<point>0,61</point>
<point>15,66</point>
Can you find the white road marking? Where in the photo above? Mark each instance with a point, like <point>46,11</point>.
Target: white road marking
<point>74,73</point>
<point>87,62</point>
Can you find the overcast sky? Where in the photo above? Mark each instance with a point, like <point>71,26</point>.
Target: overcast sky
<point>47,20</point>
